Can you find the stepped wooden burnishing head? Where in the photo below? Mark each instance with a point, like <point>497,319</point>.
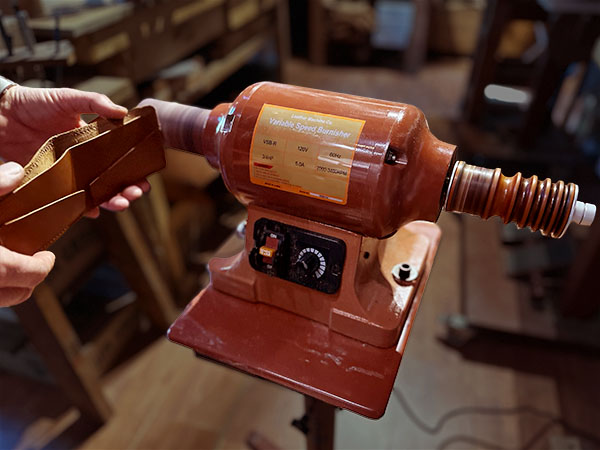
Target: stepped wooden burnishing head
<point>529,202</point>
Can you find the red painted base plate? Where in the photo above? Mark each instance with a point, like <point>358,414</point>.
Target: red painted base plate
<point>295,352</point>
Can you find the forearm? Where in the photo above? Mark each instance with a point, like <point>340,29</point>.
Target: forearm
<point>5,85</point>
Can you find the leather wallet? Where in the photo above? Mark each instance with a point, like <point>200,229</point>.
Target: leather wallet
<point>76,171</point>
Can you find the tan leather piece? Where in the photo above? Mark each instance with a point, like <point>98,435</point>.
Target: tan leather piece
<point>76,171</point>
<point>39,229</point>
<point>57,145</point>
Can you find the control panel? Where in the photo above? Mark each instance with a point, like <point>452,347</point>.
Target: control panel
<point>311,259</point>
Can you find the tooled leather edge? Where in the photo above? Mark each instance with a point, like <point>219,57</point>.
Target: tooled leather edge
<point>77,136</point>
<point>138,112</point>
<point>51,145</point>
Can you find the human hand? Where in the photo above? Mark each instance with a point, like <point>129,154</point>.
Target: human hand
<point>29,116</point>
<point>19,274</point>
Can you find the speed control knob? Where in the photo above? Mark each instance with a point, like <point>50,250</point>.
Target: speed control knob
<point>311,261</point>
<point>308,264</point>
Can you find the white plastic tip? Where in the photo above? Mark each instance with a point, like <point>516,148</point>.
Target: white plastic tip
<point>584,213</point>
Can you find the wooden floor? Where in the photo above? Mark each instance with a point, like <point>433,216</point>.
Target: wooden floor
<point>165,398</point>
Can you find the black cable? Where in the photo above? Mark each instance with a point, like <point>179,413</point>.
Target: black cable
<point>540,433</point>
<point>480,443</point>
<point>476,442</point>
<point>466,410</point>
<point>551,420</point>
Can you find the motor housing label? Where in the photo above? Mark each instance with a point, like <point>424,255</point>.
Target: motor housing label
<point>304,152</point>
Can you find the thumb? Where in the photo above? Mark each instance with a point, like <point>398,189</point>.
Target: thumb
<point>82,102</point>
<point>11,175</point>
<point>45,260</point>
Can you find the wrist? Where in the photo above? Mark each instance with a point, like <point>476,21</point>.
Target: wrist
<point>5,85</point>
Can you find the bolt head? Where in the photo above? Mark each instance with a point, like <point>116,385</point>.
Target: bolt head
<point>404,273</point>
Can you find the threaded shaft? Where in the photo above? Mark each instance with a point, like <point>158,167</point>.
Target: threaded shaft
<point>529,202</point>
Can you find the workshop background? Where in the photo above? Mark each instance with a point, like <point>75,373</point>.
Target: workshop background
<point>504,352</point>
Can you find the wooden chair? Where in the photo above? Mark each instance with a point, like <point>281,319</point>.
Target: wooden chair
<point>76,367</point>
<point>573,28</point>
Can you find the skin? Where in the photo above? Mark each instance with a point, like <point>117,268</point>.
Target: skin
<point>28,117</point>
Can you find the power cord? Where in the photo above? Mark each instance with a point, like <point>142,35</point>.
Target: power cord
<point>551,420</point>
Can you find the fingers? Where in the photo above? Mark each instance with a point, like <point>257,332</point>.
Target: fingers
<point>117,203</point>
<point>81,102</point>
<point>20,274</point>
<point>123,200</point>
<point>18,270</point>
<point>132,193</point>
<point>144,186</point>
<point>11,175</point>
<point>93,213</point>
<point>14,296</point>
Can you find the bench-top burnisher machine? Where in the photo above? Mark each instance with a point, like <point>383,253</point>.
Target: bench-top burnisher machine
<point>341,194</point>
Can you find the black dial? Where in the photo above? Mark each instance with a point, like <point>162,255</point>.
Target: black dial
<point>304,257</point>
<point>310,262</point>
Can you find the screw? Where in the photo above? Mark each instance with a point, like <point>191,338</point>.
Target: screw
<point>404,273</point>
<point>390,157</point>
<point>335,270</point>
